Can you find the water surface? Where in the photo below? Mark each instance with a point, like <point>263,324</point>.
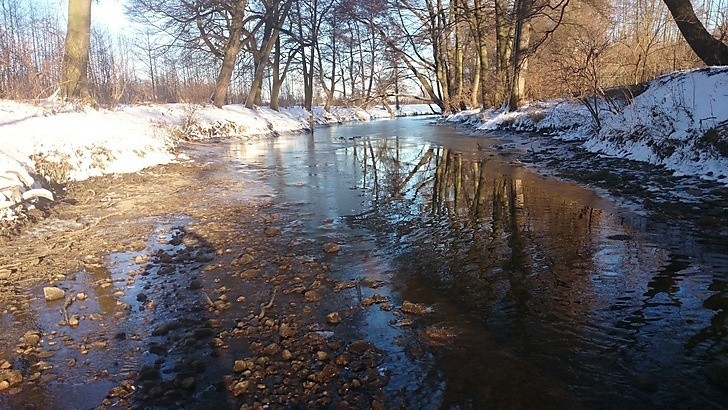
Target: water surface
<point>542,292</point>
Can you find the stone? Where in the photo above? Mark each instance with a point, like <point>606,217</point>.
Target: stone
<point>271,349</point>
<point>244,259</point>
<point>240,387</point>
<point>331,247</point>
<point>81,296</point>
<point>285,331</point>
<point>51,293</point>
<point>414,308</point>
<point>286,355</point>
<point>243,365</point>
<point>333,318</point>
<point>31,338</point>
<point>272,231</point>
<point>312,296</point>
<point>250,274</point>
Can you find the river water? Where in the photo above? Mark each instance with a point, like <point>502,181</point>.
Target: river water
<point>541,292</point>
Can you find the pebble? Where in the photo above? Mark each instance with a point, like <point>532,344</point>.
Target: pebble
<point>250,274</point>
<point>31,338</point>
<point>272,231</point>
<point>331,247</point>
<point>241,387</point>
<point>285,331</point>
<point>333,318</point>
<point>414,308</point>
<point>312,296</point>
<point>271,349</point>
<point>51,293</point>
<point>244,259</point>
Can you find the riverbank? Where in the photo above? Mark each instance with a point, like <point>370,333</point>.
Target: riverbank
<point>47,144</point>
<point>678,121</point>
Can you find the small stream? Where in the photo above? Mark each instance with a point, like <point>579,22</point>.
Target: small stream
<point>541,292</point>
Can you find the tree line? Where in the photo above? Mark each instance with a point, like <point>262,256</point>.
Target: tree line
<point>454,53</point>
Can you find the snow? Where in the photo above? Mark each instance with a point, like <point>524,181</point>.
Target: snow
<point>50,141</point>
<point>680,122</point>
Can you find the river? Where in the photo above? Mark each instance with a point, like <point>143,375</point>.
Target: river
<point>542,292</point>
<point>463,280</point>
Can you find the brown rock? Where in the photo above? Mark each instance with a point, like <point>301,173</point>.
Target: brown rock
<point>51,293</point>
<point>414,308</point>
<point>244,259</point>
<point>250,274</point>
<point>271,349</point>
<point>331,247</point>
<point>333,318</point>
<point>285,331</point>
<point>312,296</point>
<point>243,365</point>
<point>241,387</point>
<point>286,355</point>
<point>374,299</point>
<point>31,338</point>
<point>272,231</point>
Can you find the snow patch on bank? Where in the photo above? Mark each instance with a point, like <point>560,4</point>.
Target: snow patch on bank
<point>680,121</point>
<point>54,142</point>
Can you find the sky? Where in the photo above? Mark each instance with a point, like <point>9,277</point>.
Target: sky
<point>109,14</point>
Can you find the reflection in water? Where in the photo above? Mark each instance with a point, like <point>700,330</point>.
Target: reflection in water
<point>587,309</point>
<point>555,299</point>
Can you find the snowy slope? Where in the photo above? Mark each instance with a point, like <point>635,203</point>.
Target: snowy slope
<point>680,121</point>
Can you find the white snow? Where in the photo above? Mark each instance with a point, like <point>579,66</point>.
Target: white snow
<point>680,121</point>
<point>53,142</point>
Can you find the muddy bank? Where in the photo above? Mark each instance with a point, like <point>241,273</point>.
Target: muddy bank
<point>179,289</point>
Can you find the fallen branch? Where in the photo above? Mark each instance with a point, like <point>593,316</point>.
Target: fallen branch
<point>268,305</point>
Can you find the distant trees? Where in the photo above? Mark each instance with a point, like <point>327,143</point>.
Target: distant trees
<point>455,53</point>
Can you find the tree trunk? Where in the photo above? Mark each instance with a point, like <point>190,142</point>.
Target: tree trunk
<point>503,51</point>
<point>709,49</point>
<point>275,89</point>
<point>230,55</point>
<point>74,81</point>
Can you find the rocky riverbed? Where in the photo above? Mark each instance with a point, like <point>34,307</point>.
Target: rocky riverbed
<point>157,290</point>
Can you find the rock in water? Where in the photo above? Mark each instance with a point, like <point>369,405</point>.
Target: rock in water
<point>330,247</point>
<point>53,293</point>
<point>333,318</point>
<point>31,338</point>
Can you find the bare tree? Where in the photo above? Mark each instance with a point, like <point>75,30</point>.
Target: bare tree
<point>708,48</point>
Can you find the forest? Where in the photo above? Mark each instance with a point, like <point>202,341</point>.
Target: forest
<point>454,53</point>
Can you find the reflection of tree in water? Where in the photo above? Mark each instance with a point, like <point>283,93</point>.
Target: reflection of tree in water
<point>715,337</point>
<point>495,238</point>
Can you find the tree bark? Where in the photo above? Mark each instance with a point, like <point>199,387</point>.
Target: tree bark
<point>708,48</point>
<point>74,80</point>
<point>230,54</point>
